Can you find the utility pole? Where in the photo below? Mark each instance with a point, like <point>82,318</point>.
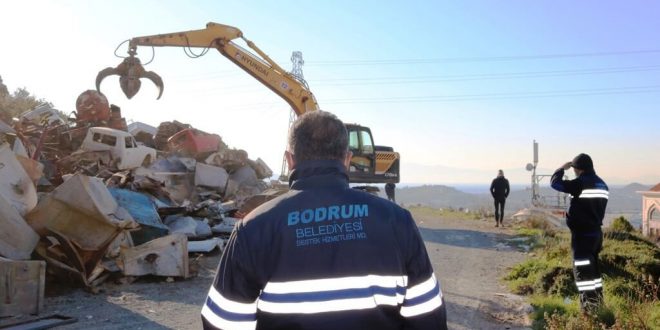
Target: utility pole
<point>535,181</point>
<point>557,202</point>
<point>536,197</point>
<point>297,73</point>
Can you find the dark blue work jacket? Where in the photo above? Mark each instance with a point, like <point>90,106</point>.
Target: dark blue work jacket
<point>325,256</point>
<point>589,196</point>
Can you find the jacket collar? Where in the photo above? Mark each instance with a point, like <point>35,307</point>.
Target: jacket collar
<point>318,174</point>
<point>586,173</point>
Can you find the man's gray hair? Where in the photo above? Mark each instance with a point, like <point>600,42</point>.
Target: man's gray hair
<point>318,135</point>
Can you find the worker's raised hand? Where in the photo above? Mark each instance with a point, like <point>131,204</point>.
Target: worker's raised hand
<point>567,166</point>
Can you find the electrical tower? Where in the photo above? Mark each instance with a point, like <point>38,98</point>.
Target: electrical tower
<point>297,73</point>
<point>552,202</point>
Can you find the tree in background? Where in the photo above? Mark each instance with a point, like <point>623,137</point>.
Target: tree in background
<point>12,105</point>
<point>3,89</point>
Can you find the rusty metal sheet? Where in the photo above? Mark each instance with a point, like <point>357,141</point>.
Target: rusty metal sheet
<point>67,261</point>
<point>194,143</point>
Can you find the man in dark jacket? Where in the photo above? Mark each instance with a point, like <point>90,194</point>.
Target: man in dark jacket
<point>499,188</point>
<point>589,195</point>
<point>323,255</point>
<point>389,191</point>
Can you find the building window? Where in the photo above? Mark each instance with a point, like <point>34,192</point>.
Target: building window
<point>654,215</point>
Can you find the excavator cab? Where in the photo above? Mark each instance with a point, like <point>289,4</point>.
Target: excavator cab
<point>360,143</point>
<point>367,165</point>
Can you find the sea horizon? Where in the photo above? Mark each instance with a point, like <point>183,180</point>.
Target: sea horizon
<point>483,188</point>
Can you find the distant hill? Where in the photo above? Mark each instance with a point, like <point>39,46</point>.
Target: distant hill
<point>624,200</point>
<point>634,187</point>
<point>439,196</point>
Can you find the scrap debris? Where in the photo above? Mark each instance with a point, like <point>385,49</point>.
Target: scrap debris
<point>88,198</point>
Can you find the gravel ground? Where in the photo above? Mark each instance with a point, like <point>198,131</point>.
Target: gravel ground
<point>469,257</point>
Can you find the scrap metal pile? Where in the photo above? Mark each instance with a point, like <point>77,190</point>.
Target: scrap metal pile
<point>93,202</point>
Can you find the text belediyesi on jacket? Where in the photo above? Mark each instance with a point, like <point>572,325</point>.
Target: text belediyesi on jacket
<point>325,256</point>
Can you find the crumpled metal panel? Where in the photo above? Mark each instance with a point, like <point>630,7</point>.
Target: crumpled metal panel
<point>83,210</point>
<point>15,184</point>
<point>17,239</point>
<point>142,209</point>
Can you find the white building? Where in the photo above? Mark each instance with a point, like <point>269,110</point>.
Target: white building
<point>651,212</point>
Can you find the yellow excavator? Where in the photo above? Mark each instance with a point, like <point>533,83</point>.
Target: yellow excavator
<point>370,163</point>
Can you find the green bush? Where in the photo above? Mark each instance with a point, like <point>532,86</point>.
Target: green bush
<point>631,272</point>
<point>539,222</point>
<point>620,224</point>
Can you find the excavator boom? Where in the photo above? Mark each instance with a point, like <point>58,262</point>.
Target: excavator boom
<point>371,164</point>
<point>220,37</point>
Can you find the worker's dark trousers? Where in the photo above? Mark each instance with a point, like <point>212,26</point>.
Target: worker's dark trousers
<point>586,247</point>
<point>499,209</point>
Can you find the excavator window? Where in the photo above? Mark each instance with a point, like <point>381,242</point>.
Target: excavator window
<point>367,144</point>
<point>353,140</point>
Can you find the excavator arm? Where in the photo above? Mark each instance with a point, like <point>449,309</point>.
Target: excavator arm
<point>370,164</point>
<point>220,37</point>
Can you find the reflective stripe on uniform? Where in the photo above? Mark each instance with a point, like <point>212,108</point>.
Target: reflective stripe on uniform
<point>333,294</point>
<point>582,262</point>
<point>594,193</point>
<point>589,285</point>
<point>422,298</point>
<point>224,313</point>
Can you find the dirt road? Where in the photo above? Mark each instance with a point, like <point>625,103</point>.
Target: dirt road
<point>469,256</point>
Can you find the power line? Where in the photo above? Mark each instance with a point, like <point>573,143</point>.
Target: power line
<point>481,97</point>
<point>445,78</point>
<point>500,96</point>
<point>483,76</point>
<point>479,59</point>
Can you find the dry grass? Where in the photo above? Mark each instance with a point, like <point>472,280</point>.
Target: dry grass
<point>630,266</point>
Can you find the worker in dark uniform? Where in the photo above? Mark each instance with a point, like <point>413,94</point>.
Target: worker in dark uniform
<point>499,188</point>
<point>589,195</point>
<point>389,191</point>
<point>323,255</point>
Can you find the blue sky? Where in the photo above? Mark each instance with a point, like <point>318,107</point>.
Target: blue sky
<point>451,85</point>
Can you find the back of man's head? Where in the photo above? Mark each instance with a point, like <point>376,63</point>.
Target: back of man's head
<point>318,135</point>
<point>583,162</point>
